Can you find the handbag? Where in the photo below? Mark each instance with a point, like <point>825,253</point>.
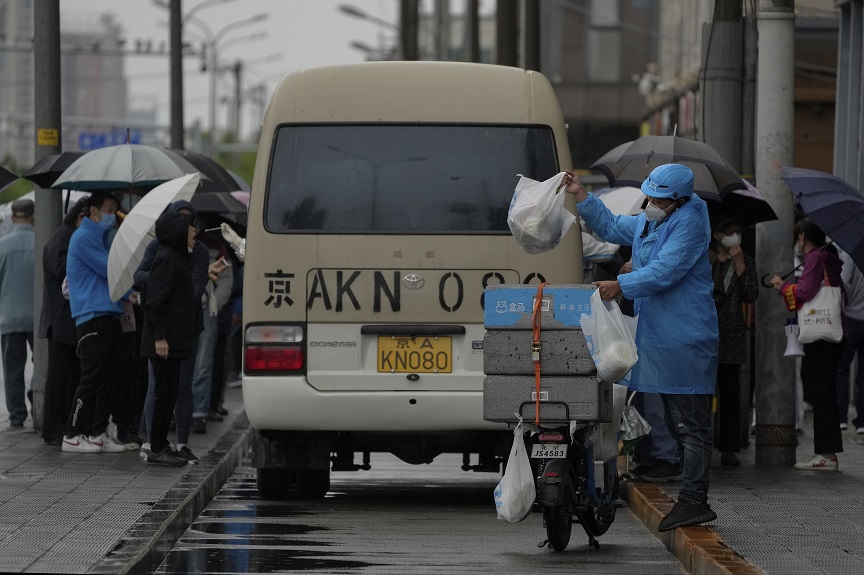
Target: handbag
<point>515,493</point>
<point>820,317</point>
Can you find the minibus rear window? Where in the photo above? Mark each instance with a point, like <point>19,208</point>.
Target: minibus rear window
<point>401,178</point>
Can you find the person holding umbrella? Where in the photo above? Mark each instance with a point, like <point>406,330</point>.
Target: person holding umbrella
<point>819,364</point>
<point>677,334</point>
<point>169,333</point>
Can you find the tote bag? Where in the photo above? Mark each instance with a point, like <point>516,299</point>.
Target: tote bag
<point>820,317</point>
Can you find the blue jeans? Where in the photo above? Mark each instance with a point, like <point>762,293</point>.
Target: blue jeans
<point>14,349</point>
<point>689,418</point>
<point>660,445</point>
<point>854,344</point>
<point>203,380</point>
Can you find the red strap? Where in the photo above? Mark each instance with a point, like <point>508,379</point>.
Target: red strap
<point>535,347</point>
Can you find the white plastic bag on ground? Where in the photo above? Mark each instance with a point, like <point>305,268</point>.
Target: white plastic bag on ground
<point>537,216</point>
<point>609,339</point>
<point>514,494</point>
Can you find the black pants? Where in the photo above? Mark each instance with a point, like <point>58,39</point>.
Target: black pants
<point>99,342</point>
<point>818,379</point>
<point>729,407</point>
<point>64,372</point>
<point>166,373</point>
<point>217,385</point>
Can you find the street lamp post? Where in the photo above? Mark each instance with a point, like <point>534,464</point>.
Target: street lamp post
<point>213,47</point>
<point>407,29</point>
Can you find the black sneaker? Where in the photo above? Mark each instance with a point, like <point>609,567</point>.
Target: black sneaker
<point>662,472</point>
<point>729,459</point>
<point>221,411</point>
<point>198,425</point>
<point>213,416</point>
<point>686,514</point>
<point>166,457</point>
<point>642,468</point>
<point>187,454</point>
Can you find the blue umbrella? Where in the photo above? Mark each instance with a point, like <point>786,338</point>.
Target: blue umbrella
<point>833,205</point>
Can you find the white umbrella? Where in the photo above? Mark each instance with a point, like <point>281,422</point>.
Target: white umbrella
<point>138,228</point>
<point>623,201</point>
<point>123,166</point>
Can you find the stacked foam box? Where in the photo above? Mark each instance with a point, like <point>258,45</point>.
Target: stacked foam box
<point>569,388</point>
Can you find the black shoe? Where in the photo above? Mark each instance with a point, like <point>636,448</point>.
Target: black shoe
<point>16,425</point>
<point>662,472</point>
<point>221,411</point>
<point>213,416</point>
<point>729,459</point>
<point>55,440</point>
<point>166,457</point>
<point>642,468</point>
<point>686,514</point>
<point>198,425</point>
<point>187,454</point>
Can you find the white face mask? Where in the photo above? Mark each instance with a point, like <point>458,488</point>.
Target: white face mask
<point>732,240</point>
<point>653,213</point>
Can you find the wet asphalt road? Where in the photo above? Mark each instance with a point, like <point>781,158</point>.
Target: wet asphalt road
<point>398,519</point>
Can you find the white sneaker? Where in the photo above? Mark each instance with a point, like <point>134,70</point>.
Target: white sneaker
<point>106,444</point>
<point>859,431</point>
<point>145,449</point>
<point>844,426</point>
<point>79,444</point>
<point>819,463</point>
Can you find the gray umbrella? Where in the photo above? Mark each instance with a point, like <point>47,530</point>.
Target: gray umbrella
<point>123,166</point>
<point>629,164</point>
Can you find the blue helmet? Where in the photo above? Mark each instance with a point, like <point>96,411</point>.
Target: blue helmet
<point>672,181</point>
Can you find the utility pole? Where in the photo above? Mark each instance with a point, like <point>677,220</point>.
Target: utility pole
<point>472,30</point>
<point>507,33</point>
<point>176,41</point>
<point>775,379</point>
<point>721,81</point>
<point>237,69</point>
<point>531,35</point>
<point>442,30</point>
<point>49,211</point>
<point>409,13</point>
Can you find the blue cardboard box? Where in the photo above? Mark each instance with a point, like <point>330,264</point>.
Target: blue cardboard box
<point>510,306</point>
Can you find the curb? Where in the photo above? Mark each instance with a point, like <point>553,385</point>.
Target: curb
<point>143,548</point>
<point>700,550</point>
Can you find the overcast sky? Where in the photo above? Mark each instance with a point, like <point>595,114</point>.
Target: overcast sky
<point>299,34</point>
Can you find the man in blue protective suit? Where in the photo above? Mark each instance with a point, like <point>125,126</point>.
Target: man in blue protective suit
<point>677,335</point>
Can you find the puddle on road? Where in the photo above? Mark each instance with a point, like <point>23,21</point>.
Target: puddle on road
<point>252,560</point>
<point>238,528</point>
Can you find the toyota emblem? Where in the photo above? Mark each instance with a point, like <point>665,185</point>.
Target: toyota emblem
<point>413,281</point>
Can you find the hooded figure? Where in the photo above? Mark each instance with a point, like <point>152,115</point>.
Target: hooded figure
<point>169,327</point>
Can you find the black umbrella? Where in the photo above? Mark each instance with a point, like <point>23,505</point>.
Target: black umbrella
<point>629,164</point>
<point>215,177</point>
<point>747,206</point>
<point>46,171</point>
<point>833,205</point>
<point>217,202</point>
<point>7,176</point>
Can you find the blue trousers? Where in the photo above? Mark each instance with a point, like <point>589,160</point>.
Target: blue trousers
<point>203,380</point>
<point>14,349</point>
<point>689,418</point>
<point>854,345</point>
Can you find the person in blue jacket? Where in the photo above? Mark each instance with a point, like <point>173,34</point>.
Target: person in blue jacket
<point>677,335</point>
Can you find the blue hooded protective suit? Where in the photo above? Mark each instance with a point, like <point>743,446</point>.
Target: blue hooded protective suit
<point>677,336</point>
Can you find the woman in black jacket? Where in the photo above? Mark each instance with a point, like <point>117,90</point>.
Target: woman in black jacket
<point>169,333</point>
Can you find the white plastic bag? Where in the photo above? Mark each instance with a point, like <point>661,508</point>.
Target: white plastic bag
<point>537,217</point>
<point>515,493</point>
<point>605,435</point>
<point>609,340</point>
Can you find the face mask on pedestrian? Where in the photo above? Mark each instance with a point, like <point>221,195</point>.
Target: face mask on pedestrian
<point>731,240</point>
<point>653,213</point>
<point>108,221</point>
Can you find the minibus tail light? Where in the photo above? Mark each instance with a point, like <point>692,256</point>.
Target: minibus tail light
<point>273,358</point>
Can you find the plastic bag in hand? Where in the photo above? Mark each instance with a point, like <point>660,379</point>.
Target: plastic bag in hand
<point>609,340</point>
<point>515,493</point>
<point>537,216</point>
